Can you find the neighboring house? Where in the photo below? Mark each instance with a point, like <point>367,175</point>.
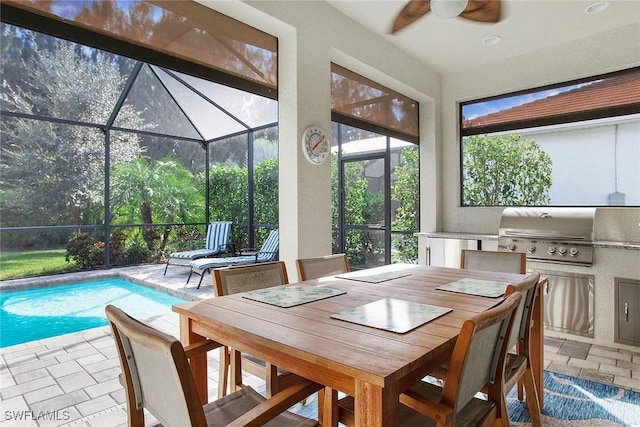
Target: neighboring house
<point>595,162</point>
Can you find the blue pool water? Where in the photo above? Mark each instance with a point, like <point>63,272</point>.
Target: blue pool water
<point>33,314</point>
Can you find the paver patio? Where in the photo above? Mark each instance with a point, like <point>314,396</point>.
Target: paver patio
<point>73,379</point>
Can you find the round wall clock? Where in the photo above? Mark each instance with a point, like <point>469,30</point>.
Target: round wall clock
<point>315,145</point>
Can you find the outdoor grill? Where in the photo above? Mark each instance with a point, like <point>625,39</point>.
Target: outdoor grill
<point>557,236</point>
<point>554,235</point>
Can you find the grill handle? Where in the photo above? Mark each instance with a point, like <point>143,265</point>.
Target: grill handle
<point>541,236</point>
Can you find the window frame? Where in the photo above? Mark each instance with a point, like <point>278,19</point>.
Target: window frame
<point>614,111</point>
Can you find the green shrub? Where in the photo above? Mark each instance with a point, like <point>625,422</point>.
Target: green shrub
<point>86,251</point>
<point>137,252</point>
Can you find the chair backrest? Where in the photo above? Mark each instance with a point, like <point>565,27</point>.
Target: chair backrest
<point>246,278</point>
<point>269,249</point>
<point>218,234</point>
<point>156,373</point>
<point>479,353</point>
<point>330,265</point>
<point>524,313</point>
<point>505,262</point>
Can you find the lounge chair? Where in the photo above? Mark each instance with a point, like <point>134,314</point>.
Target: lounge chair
<point>268,252</point>
<point>218,234</point>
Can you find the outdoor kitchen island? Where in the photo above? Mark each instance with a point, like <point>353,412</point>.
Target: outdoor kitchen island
<point>598,301</point>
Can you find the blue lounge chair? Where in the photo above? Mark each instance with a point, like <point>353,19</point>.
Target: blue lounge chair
<point>268,252</point>
<point>218,234</point>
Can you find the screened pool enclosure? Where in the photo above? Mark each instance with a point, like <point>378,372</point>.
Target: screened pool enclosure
<point>95,144</point>
<point>114,161</point>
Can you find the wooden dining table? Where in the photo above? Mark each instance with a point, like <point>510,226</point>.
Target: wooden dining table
<point>370,363</point>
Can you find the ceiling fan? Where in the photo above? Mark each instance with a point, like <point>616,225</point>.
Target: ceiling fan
<point>474,10</point>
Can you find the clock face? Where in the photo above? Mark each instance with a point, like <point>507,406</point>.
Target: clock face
<point>315,145</point>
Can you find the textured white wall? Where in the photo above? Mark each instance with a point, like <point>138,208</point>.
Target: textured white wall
<point>591,163</point>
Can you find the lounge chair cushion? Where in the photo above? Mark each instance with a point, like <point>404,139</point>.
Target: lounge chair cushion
<point>201,265</point>
<point>194,254</point>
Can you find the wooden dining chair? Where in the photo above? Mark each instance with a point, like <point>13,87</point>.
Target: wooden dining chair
<point>157,377</point>
<point>247,278</point>
<point>329,265</point>
<point>477,362</point>
<point>517,361</point>
<point>505,262</point>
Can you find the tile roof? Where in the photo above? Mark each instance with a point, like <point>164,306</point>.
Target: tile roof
<point>615,91</point>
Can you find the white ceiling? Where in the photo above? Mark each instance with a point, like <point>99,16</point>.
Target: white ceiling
<point>450,45</point>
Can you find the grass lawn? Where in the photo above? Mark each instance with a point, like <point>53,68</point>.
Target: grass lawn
<point>33,263</point>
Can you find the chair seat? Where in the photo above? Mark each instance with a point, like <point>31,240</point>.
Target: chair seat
<point>194,254</point>
<point>514,367</point>
<point>226,409</point>
<point>470,415</point>
<point>203,264</point>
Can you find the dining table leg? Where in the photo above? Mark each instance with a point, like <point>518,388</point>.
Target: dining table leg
<point>376,406</point>
<point>198,362</point>
<point>328,407</point>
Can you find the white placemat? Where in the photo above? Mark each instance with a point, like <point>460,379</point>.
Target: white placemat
<point>363,276</point>
<point>292,295</point>
<point>479,287</point>
<point>392,314</point>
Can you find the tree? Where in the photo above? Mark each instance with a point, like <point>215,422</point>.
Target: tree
<point>505,170</point>
<point>228,199</point>
<point>405,192</point>
<point>355,207</point>
<point>265,192</point>
<point>52,173</point>
<point>151,192</point>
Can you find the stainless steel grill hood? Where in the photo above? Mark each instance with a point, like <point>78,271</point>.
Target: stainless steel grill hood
<point>557,235</point>
<point>557,224</point>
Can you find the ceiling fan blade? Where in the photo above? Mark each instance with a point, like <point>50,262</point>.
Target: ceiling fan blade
<point>412,11</point>
<point>483,11</point>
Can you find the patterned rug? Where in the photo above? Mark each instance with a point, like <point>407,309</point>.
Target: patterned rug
<point>568,402</point>
<point>574,402</point>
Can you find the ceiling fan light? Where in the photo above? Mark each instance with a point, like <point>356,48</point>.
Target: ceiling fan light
<point>448,8</point>
<point>596,7</point>
<point>491,40</point>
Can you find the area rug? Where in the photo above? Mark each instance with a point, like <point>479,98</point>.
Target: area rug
<point>575,402</point>
<point>568,402</point>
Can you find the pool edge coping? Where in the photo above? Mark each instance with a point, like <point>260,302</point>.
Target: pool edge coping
<point>85,276</point>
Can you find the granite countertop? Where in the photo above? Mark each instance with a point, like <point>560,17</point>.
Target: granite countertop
<point>453,235</point>
<point>479,236</point>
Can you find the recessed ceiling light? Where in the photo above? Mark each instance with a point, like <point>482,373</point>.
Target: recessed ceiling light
<point>491,40</point>
<point>596,7</point>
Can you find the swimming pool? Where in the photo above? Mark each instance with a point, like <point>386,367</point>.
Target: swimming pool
<point>37,313</point>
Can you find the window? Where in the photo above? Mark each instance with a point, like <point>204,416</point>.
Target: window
<point>375,172</point>
<point>571,144</point>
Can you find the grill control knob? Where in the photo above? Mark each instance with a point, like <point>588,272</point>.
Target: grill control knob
<point>531,249</point>
<point>551,250</point>
<point>562,250</point>
<point>573,252</point>
<point>511,247</point>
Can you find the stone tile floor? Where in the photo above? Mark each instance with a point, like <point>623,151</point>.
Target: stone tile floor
<point>72,380</point>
